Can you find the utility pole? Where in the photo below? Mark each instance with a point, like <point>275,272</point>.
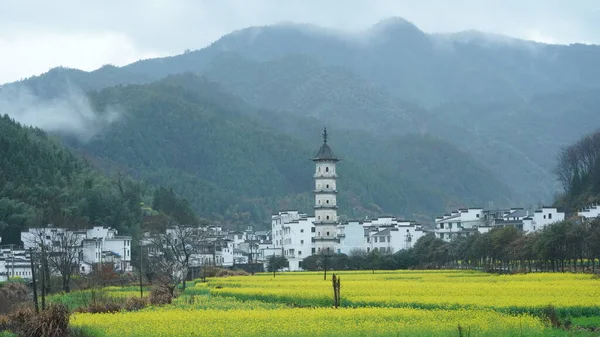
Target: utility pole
<point>141,270</point>
<point>35,297</point>
<point>43,263</point>
<point>12,253</point>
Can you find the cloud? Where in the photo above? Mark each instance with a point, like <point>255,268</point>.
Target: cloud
<point>36,35</point>
<point>25,54</point>
<point>70,114</point>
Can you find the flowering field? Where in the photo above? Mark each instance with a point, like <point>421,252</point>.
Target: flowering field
<point>575,294</point>
<point>403,303</point>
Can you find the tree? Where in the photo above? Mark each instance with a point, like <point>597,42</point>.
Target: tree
<point>276,263</point>
<point>59,252</point>
<point>172,251</point>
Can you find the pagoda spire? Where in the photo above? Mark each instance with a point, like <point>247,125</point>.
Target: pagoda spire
<point>325,135</point>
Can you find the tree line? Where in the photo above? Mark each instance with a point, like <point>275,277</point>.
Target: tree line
<point>569,245</point>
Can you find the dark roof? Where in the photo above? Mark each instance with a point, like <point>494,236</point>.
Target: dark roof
<point>383,232</point>
<point>325,152</point>
<point>518,213</point>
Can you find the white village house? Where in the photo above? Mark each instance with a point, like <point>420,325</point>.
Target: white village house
<point>590,212</point>
<point>465,221</point>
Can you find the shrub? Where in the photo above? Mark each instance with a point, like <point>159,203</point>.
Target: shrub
<point>101,308</point>
<point>4,323</point>
<point>228,272</point>
<point>53,322</point>
<point>12,294</point>
<point>135,303</point>
<point>160,295</point>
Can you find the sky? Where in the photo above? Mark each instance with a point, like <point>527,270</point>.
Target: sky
<point>37,35</point>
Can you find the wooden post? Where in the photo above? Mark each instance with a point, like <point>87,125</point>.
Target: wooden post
<point>35,297</point>
<point>336,290</point>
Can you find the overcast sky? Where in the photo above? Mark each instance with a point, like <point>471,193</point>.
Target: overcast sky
<point>36,35</point>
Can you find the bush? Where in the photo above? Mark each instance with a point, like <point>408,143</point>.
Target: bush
<point>12,294</point>
<point>160,295</point>
<point>135,303</point>
<point>229,272</point>
<point>101,308</point>
<point>53,322</point>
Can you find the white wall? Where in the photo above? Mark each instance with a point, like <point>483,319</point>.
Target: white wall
<point>590,213</point>
<point>352,237</point>
<point>547,216</point>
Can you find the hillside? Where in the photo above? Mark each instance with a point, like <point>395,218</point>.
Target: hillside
<point>186,132</point>
<point>578,171</point>
<point>508,104</point>
<point>42,183</point>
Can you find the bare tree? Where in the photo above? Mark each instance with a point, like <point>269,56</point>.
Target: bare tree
<point>58,251</point>
<point>63,255</point>
<point>171,253</point>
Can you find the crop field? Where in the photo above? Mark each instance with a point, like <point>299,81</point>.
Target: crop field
<point>402,303</point>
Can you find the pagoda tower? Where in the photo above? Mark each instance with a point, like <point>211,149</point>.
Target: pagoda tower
<point>326,219</point>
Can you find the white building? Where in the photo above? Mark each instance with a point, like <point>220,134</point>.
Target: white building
<point>385,234</point>
<point>293,235</point>
<point>99,244</point>
<point>590,213</point>
<point>14,262</point>
<point>466,221</point>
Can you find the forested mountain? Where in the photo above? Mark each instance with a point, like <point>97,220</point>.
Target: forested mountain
<point>227,158</point>
<point>578,171</point>
<point>42,183</point>
<point>507,104</point>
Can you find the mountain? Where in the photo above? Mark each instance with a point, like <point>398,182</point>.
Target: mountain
<point>42,182</point>
<point>495,98</point>
<point>227,159</point>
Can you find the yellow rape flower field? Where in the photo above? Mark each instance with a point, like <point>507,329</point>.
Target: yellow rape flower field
<point>384,303</point>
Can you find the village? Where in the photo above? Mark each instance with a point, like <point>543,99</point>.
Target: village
<point>293,235</point>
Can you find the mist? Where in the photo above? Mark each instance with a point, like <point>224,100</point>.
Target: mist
<point>69,114</point>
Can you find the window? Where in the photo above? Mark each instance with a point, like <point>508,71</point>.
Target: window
<point>442,236</point>
<point>549,215</point>
<point>302,231</point>
<point>312,229</point>
<point>318,233</point>
<point>328,217</point>
<point>327,233</point>
<point>477,215</point>
<point>442,226</point>
<point>375,239</point>
<point>389,238</point>
<point>327,169</point>
<point>301,242</point>
<point>450,225</point>
<point>313,250</point>
<point>328,249</point>
<point>544,217</point>
<point>327,186</point>
<point>327,201</point>
<point>299,252</point>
